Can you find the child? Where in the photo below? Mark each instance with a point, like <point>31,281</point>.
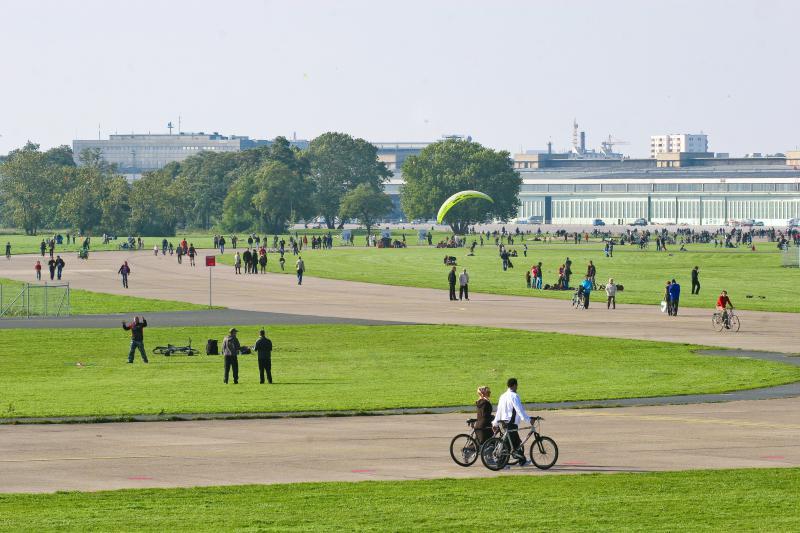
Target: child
<point>38,268</point>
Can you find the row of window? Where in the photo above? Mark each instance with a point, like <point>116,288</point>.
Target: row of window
<point>660,187</point>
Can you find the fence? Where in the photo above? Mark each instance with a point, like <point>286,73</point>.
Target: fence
<point>790,257</point>
<point>32,300</point>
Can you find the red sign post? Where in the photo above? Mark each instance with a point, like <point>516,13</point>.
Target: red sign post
<point>210,262</point>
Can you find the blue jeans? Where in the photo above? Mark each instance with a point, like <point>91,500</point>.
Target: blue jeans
<point>134,345</point>
<point>299,277</point>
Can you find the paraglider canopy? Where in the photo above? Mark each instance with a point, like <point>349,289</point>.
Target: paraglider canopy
<point>456,199</point>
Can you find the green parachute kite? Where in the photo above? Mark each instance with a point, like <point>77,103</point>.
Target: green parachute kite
<point>456,199</point>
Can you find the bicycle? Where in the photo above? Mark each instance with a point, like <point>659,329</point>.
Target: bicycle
<point>732,323</point>
<point>464,449</point>
<point>496,451</point>
<point>577,300</point>
<point>171,349</point>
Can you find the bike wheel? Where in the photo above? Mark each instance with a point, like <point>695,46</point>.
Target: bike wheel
<point>544,452</point>
<point>716,321</point>
<point>464,450</point>
<point>158,350</point>
<point>192,351</point>
<point>734,323</point>
<point>494,454</point>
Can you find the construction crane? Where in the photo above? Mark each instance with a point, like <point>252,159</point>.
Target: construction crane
<point>607,146</point>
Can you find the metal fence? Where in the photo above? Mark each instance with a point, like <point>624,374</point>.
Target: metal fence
<point>790,257</point>
<point>34,300</point>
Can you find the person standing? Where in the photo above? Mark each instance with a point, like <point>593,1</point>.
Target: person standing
<point>587,291</point>
<point>123,271</point>
<point>237,262</point>
<point>463,286</point>
<point>451,282</point>
<point>667,299</point>
<point>8,251</point>
<point>300,266</point>
<point>191,254</point>
<point>42,247</point>
<point>137,337</point>
<point>262,260</point>
<point>263,348</point>
<point>221,243</point>
<point>611,294</point>
<point>179,253</point>
<point>696,280</point>
<point>483,421</point>
<point>59,266</point>
<point>674,296</point>
<point>38,268</point>
<point>591,272</point>
<point>230,352</point>
<point>538,275</point>
<point>51,265</point>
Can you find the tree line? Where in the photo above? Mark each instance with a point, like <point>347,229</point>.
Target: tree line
<point>338,178</point>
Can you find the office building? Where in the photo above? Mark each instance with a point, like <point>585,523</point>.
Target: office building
<point>678,143</point>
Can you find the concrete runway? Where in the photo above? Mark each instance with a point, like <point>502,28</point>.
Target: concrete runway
<point>162,277</point>
<point>45,458</point>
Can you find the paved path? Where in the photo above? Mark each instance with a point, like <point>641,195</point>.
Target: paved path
<point>162,277</point>
<point>44,458</point>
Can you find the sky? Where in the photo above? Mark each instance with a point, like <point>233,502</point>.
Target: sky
<point>512,74</point>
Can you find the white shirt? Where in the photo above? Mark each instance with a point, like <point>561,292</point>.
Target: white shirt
<point>463,279</point>
<point>509,401</point>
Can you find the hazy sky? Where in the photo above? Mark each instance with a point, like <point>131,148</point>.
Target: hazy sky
<point>511,74</point>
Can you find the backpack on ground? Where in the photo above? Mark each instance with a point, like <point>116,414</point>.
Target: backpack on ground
<point>212,347</point>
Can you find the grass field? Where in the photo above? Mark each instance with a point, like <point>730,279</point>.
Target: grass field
<point>711,500</point>
<point>84,302</point>
<point>342,367</point>
<point>642,273</point>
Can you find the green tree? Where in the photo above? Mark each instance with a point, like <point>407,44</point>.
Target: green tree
<point>339,164</point>
<point>115,205</point>
<point>86,187</point>
<point>366,203</point>
<point>156,202</point>
<point>28,185</point>
<point>447,167</point>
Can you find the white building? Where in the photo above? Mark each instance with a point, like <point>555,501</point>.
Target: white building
<point>677,143</point>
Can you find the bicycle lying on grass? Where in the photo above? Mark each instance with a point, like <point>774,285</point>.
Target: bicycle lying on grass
<point>496,452</point>
<point>729,322</point>
<point>170,349</point>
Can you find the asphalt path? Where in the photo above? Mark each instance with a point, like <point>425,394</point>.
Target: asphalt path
<point>46,458</point>
<point>161,277</point>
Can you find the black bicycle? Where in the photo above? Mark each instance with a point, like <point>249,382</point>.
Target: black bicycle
<point>496,452</point>
<point>170,349</point>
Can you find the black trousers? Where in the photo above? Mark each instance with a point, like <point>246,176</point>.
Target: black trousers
<point>513,434</point>
<point>265,365</point>
<point>695,287</point>
<point>232,362</point>
<point>674,302</point>
<point>453,291</point>
<point>463,292</point>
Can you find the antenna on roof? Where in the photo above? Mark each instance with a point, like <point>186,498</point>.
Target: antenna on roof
<point>179,124</point>
<point>169,127</point>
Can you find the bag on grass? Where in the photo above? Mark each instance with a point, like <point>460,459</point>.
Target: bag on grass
<point>212,347</point>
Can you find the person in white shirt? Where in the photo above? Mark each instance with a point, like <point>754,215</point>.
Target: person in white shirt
<point>463,285</point>
<point>511,411</point>
<point>611,293</point>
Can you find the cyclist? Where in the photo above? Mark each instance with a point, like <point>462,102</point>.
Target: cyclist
<point>509,412</point>
<point>723,303</point>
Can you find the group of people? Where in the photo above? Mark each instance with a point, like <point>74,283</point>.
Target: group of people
<point>463,284</point>
<point>510,414</point>
<point>231,348</point>
<point>55,266</point>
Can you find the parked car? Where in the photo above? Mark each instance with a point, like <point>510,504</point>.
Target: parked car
<point>759,223</point>
<point>598,222</point>
<point>639,222</point>
<point>747,222</point>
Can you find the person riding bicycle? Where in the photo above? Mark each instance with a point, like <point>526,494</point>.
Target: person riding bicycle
<point>723,303</point>
<point>509,412</point>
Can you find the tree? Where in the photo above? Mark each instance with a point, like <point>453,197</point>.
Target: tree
<point>366,203</point>
<point>115,205</point>
<point>156,202</point>
<point>28,185</point>
<point>447,167</point>
<point>339,164</point>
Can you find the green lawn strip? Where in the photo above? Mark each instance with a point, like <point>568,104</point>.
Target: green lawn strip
<point>84,302</point>
<point>705,500</point>
<point>346,367</point>
<point>643,273</point>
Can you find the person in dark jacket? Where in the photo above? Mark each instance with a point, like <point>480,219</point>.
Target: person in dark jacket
<point>263,348</point>
<point>230,352</point>
<point>137,337</point>
<point>52,266</point>
<point>451,281</point>
<point>483,423</point>
<point>59,266</point>
<point>696,280</point>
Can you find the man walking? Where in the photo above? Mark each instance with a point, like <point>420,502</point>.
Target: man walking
<point>696,280</point>
<point>52,266</point>
<point>510,412</point>
<point>463,286</point>
<point>230,352</point>
<point>137,337</point>
<point>451,282</point>
<point>263,348</point>
<point>8,251</point>
<point>59,266</point>
<point>301,267</point>
<point>123,271</point>
<point>674,296</point>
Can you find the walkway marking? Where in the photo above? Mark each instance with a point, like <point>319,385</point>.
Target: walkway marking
<point>687,420</point>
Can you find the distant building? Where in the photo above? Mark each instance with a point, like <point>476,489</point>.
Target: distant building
<point>678,143</point>
<point>135,154</point>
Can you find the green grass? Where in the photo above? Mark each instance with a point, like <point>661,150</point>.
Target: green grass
<point>642,273</point>
<point>342,367</point>
<point>711,500</point>
<point>84,302</point>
